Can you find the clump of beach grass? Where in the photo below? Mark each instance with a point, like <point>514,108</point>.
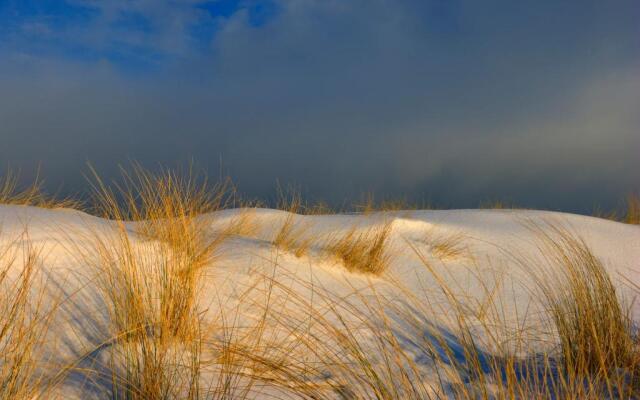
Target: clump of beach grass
<point>292,235</point>
<point>369,204</point>
<point>363,250</point>
<point>448,246</point>
<point>149,270</point>
<point>633,210</point>
<point>24,322</point>
<point>597,356</point>
<point>12,192</point>
<point>498,205</point>
<point>629,214</point>
<point>594,327</point>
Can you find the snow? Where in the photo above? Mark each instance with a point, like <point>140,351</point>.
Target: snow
<point>490,238</point>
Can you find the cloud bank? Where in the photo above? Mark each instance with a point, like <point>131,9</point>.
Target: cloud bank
<point>451,102</point>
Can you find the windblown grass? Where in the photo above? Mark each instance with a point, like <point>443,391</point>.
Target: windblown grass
<point>363,250</point>
<point>292,236</point>
<point>370,204</point>
<point>447,246</point>
<point>594,328</point>
<point>319,208</point>
<point>23,322</point>
<point>158,200</point>
<point>11,192</point>
<point>633,210</point>
<point>149,275</point>
<point>498,205</point>
<point>611,215</point>
<point>630,214</point>
<point>243,224</point>
<point>596,357</point>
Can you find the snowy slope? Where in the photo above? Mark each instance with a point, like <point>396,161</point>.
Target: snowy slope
<point>490,242</point>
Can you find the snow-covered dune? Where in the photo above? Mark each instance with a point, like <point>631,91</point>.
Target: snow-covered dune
<point>477,253</point>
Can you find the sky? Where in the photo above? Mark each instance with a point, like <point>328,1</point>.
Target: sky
<point>447,102</point>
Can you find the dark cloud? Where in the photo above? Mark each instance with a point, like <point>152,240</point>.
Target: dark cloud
<point>449,101</point>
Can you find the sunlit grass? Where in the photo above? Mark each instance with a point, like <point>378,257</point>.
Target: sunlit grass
<point>363,250</point>
<point>292,235</point>
<point>633,210</point>
<point>149,275</point>
<point>12,192</point>
<point>594,327</point>
<point>447,246</point>
<point>24,321</point>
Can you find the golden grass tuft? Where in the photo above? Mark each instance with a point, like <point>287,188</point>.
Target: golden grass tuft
<point>149,275</point>
<point>369,205</point>
<point>23,322</point>
<point>31,195</point>
<point>633,209</point>
<point>168,208</point>
<point>319,208</point>
<point>630,214</point>
<point>609,215</point>
<point>155,198</point>
<point>363,250</point>
<point>596,357</point>
<point>594,328</point>
<point>292,235</point>
<point>150,289</point>
<point>244,224</point>
<point>448,247</point>
<point>497,205</point>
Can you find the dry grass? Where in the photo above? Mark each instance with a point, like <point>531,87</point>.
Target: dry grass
<point>243,224</point>
<point>23,322</point>
<point>369,205</point>
<point>630,214</point>
<point>150,278</point>
<point>594,328</point>
<point>158,200</point>
<point>497,205</point>
<point>31,195</point>
<point>448,246</point>
<point>323,351</point>
<point>151,293</point>
<point>319,208</point>
<point>609,215</point>
<point>633,210</point>
<point>168,208</point>
<point>249,357</point>
<point>596,358</point>
<point>364,251</point>
<point>292,236</point>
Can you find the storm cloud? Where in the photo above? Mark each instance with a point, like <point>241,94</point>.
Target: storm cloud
<point>451,102</point>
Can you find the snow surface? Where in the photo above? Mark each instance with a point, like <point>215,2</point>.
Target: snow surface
<point>490,240</point>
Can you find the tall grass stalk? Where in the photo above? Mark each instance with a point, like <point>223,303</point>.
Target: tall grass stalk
<point>24,322</point>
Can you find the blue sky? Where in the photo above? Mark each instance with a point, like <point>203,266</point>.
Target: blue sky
<point>128,34</point>
<point>454,102</point>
